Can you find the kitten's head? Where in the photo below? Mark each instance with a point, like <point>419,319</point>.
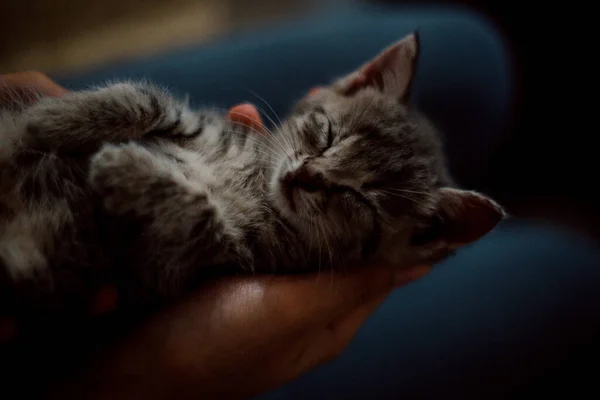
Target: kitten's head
<point>362,170</point>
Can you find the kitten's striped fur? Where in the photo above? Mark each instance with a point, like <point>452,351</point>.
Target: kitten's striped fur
<point>126,183</point>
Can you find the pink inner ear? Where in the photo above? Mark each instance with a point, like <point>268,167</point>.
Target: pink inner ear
<point>390,72</point>
<point>359,81</point>
<point>387,63</point>
<point>481,221</point>
<point>468,216</point>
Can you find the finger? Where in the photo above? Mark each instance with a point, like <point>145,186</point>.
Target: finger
<point>342,331</point>
<point>323,345</point>
<point>25,88</point>
<point>274,305</point>
<point>314,91</point>
<point>248,115</point>
<point>328,342</point>
<point>317,299</point>
<point>34,79</point>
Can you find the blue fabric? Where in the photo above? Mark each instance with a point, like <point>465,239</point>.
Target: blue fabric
<point>483,322</point>
<point>494,307</point>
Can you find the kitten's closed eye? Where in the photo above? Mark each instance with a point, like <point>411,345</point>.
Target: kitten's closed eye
<point>323,127</point>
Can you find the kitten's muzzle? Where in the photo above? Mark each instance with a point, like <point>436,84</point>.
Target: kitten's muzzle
<point>303,178</point>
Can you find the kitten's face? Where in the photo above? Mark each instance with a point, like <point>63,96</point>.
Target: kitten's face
<point>357,165</point>
<point>353,164</point>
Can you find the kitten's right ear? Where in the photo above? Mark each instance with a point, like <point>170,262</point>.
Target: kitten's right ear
<point>462,217</point>
<point>391,71</point>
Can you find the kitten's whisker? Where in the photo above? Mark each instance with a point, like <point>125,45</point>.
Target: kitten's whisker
<point>401,196</point>
<point>309,228</point>
<point>272,138</point>
<point>269,137</point>
<point>319,244</point>
<point>289,137</point>
<point>267,150</point>
<point>273,153</point>
<point>269,159</point>
<point>322,226</point>
<point>275,142</point>
<point>266,129</point>
<point>280,138</point>
<point>332,251</point>
<point>334,227</point>
<point>387,191</point>
<point>226,111</point>
<point>267,104</point>
<point>271,134</point>
<point>254,134</point>
<point>262,110</point>
<point>405,191</point>
<point>275,125</point>
<point>283,133</point>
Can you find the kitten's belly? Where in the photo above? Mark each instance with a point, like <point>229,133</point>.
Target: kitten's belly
<point>231,168</point>
<point>240,192</point>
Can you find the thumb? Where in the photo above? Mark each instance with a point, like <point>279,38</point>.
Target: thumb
<point>343,330</point>
<point>334,333</point>
<point>317,299</point>
<point>247,115</point>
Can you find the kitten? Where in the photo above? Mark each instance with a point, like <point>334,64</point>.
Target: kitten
<point>125,183</point>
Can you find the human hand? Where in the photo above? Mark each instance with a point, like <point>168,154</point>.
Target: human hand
<point>23,89</point>
<point>26,87</point>
<point>236,337</point>
<point>241,336</point>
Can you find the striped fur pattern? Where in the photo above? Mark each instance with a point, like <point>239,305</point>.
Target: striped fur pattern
<point>127,183</point>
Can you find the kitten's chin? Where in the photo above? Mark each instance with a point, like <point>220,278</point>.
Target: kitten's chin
<point>290,204</point>
<point>293,203</point>
<point>282,200</point>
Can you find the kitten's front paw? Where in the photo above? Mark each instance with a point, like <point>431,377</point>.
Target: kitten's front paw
<point>120,174</point>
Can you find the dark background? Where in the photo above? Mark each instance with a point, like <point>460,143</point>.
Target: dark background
<point>545,167</point>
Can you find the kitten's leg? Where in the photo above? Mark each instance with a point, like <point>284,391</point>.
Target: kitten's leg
<point>82,121</point>
<point>182,227</point>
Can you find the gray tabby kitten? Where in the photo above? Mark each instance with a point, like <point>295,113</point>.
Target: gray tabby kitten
<point>125,183</point>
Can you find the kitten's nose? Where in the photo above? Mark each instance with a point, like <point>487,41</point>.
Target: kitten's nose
<point>305,177</point>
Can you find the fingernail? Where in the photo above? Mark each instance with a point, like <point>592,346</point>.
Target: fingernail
<point>247,114</point>
<point>409,275</point>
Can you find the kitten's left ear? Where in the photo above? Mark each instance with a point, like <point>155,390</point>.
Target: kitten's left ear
<point>391,71</point>
<point>462,217</point>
